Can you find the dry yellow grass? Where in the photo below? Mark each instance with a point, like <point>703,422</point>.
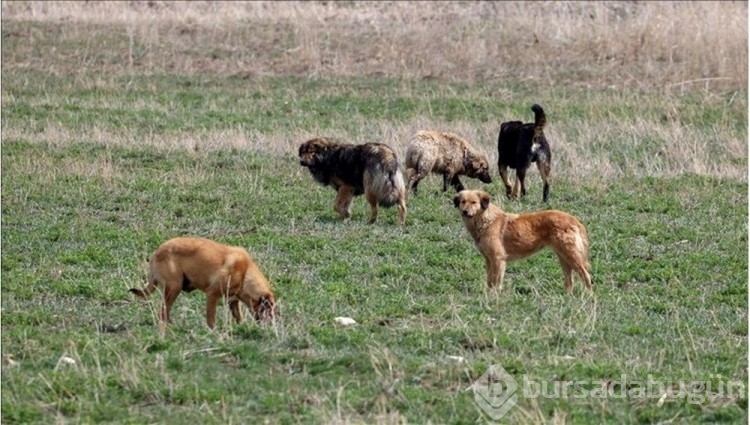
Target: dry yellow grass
<point>620,43</point>
<point>576,157</point>
<point>661,47</point>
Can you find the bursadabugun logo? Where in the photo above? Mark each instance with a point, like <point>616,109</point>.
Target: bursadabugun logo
<point>495,392</point>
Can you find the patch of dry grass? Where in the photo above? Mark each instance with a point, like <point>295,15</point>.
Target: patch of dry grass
<point>622,44</point>
<point>664,49</point>
<point>607,150</point>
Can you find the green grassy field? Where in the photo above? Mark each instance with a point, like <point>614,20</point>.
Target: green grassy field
<point>101,164</point>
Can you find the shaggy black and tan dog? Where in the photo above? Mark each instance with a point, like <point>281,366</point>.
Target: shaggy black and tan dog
<point>446,154</point>
<point>518,145</point>
<point>371,169</point>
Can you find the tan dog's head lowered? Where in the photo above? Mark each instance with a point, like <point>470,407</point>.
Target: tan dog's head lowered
<point>471,202</point>
<point>184,264</point>
<point>264,309</point>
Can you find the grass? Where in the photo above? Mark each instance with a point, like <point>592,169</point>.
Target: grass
<point>75,240</point>
<point>100,164</point>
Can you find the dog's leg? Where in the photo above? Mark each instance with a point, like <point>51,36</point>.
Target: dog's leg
<point>567,272</point>
<point>504,175</point>
<point>234,307</point>
<point>419,173</point>
<point>212,299</point>
<point>495,267</point>
<point>585,276</point>
<point>414,178</point>
<point>413,186</point>
<point>402,209</point>
<point>571,258</point>
<point>373,200</point>
<point>456,183</point>
<point>169,296</point>
<point>521,180</point>
<point>544,170</point>
<point>582,268</point>
<point>343,202</point>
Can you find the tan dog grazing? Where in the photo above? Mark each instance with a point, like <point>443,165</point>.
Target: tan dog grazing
<point>446,154</point>
<point>503,237</point>
<point>187,263</point>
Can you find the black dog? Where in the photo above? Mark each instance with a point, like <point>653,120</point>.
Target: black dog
<point>371,169</point>
<point>518,145</point>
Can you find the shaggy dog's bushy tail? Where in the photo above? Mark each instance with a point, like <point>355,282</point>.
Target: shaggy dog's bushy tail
<point>540,120</point>
<point>387,183</point>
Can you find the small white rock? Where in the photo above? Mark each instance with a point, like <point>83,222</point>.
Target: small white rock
<point>457,359</point>
<point>565,357</point>
<point>67,360</point>
<point>345,321</point>
<point>64,360</point>
<point>10,361</point>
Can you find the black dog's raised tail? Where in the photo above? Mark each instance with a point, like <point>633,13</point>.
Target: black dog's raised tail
<point>540,120</point>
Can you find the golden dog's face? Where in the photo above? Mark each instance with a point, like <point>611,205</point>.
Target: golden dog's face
<point>310,150</point>
<point>471,202</point>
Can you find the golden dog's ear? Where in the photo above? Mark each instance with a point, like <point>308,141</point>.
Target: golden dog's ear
<point>484,200</point>
<point>456,200</point>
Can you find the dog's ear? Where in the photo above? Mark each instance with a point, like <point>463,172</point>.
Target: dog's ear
<point>322,145</point>
<point>484,200</point>
<point>456,200</point>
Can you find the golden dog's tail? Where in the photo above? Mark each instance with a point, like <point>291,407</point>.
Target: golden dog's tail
<point>540,120</point>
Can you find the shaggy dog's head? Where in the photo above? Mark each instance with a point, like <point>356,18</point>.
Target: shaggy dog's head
<point>471,202</point>
<point>311,151</point>
<point>478,167</point>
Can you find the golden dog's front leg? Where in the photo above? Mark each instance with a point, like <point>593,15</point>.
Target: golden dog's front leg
<point>495,266</point>
<point>234,306</point>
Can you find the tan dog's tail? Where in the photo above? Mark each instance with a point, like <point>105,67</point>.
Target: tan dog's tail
<point>145,292</point>
<point>540,120</point>
<point>582,244</point>
<point>150,287</point>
